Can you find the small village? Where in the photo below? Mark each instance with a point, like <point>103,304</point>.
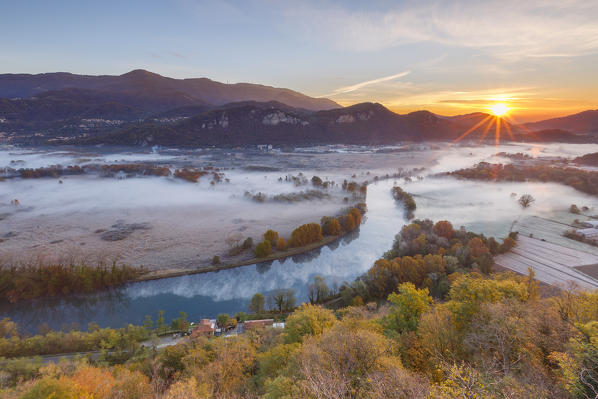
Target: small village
<point>209,327</point>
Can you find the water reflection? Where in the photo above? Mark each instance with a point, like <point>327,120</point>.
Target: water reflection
<point>206,295</point>
<point>483,207</point>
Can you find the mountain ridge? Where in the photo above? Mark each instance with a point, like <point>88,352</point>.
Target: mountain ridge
<point>189,91</point>
<point>581,122</point>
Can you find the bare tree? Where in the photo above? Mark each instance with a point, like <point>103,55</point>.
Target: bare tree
<point>497,335</point>
<point>526,200</point>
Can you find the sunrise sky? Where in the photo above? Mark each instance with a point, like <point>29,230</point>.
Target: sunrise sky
<point>449,57</point>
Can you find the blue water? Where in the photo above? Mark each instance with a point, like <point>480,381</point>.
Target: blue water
<point>206,295</point>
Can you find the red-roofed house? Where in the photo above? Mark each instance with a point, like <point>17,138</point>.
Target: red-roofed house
<point>205,327</point>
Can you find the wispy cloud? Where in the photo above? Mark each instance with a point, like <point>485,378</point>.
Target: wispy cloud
<point>506,28</point>
<point>361,85</point>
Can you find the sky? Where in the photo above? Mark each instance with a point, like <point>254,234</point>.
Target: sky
<point>449,57</point>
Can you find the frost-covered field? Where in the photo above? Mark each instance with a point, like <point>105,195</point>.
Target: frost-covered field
<point>190,222</point>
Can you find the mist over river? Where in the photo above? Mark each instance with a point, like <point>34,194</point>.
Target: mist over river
<point>485,207</point>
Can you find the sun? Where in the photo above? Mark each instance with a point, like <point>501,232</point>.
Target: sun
<point>499,109</point>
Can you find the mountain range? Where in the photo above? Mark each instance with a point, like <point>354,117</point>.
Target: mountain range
<point>583,122</point>
<point>144,108</point>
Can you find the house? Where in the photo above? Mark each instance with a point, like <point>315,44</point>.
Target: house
<point>206,327</point>
<point>253,324</point>
<point>264,147</point>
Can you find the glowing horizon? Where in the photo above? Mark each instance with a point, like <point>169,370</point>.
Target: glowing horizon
<point>450,57</point>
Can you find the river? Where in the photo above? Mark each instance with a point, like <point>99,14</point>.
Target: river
<point>229,291</point>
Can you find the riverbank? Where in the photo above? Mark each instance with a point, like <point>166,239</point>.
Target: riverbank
<point>278,255</point>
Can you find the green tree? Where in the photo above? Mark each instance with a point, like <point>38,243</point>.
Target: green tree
<point>263,249</point>
<point>161,323</point>
<point>241,316</point>
<point>222,320</point>
<point>407,305</point>
<point>283,299</point>
<point>318,290</point>
<point>257,303</point>
<point>180,323</point>
<point>148,324</point>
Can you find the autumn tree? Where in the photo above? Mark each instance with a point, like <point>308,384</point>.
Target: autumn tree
<point>271,236</point>
<point>342,362</point>
<point>356,215</point>
<point>349,222</point>
<point>281,244</point>
<point>306,234</point>
<point>444,229</point>
<point>307,320</point>
<point>331,227</point>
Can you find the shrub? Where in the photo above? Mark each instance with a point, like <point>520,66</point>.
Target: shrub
<point>263,249</point>
<point>216,260</point>
<point>248,243</point>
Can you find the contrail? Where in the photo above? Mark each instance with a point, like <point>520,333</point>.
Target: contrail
<point>360,85</point>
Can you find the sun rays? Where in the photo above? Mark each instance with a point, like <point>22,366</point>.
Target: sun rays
<point>499,120</point>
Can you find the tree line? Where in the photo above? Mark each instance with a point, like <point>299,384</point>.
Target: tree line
<point>491,337</point>
<point>310,233</point>
<point>582,180</point>
<point>31,281</point>
<point>130,169</point>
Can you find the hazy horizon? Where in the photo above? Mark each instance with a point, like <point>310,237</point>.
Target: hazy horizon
<point>446,57</point>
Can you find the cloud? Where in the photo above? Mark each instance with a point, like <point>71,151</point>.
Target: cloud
<point>360,85</point>
<point>505,28</point>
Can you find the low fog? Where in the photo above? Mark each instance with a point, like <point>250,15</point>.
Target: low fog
<point>190,221</point>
